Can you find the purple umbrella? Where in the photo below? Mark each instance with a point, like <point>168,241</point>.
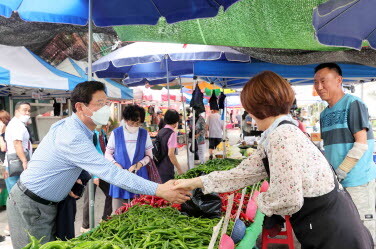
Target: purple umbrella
<point>346,23</point>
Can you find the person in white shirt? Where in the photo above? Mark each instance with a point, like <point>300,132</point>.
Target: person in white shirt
<point>215,127</point>
<point>129,147</point>
<point>18,139</point>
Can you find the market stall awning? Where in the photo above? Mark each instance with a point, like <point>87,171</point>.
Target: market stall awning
<point>114,90</point>
<point>20,67</point>
<point>302,74</point>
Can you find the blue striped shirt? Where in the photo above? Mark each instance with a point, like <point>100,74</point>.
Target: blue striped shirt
<point>63,153</point>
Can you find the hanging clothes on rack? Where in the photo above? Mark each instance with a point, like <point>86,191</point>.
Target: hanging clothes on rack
<point>213,102</point>
<point>221,101</point>
<point>197,101</point>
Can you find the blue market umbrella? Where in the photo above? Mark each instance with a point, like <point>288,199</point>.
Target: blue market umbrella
<point>142,61</point>
<point>346,23</point>
<point>112,12</point>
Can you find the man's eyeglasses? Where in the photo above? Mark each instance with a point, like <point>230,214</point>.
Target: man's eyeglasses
<point>102,103</point>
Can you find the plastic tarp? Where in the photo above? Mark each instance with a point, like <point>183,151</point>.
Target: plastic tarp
<point>20,67</point>
<point>114,90</point>
<point>302,74</point>
<point>112,12</point>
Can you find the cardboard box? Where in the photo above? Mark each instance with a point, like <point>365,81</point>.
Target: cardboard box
<point>315,136</point>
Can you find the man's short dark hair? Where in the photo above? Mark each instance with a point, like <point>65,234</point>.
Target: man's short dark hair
<point>84,91</point>
<point>171,117</point>
<point>134,113</point>
<point>331,66</point>
<point>18,105</point>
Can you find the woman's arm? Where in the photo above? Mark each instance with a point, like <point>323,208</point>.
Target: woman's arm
<point>175,162</point>
<point>110,150</point>
<point>148,151</point>
<point>248,172</point>
<point>146,159</point>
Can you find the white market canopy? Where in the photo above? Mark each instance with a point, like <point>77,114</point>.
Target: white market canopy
<point>77,68</point>
<point>21,68</point>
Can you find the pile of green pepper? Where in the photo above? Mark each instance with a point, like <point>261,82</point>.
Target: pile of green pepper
<point>145,227</point>
<point>210,166</point>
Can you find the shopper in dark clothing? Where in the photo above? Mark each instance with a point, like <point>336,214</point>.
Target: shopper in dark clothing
<point>162,122</point>
<point>66,209</point>
<point>168,139</point>
<point>100,142</point>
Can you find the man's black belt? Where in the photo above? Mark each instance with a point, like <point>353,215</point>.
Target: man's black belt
<point>34,196</point>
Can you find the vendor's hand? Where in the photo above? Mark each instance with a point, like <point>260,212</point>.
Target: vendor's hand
<point>5,174</point>
<point>73,195</point>
<point>171,193</point>
<point>189,184</point>
<point>24,165</point>
<point>341,174</point>
<point>96,181</point>
<point>180,171</point>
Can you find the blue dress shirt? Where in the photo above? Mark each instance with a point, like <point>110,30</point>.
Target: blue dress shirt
<point>63,153</point>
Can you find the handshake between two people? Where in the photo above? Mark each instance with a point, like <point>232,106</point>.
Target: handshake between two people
<point>178,191</point>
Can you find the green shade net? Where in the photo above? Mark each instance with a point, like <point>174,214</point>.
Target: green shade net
<point>283,24</point>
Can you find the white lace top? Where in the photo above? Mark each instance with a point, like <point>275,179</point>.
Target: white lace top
<point>297,170</point>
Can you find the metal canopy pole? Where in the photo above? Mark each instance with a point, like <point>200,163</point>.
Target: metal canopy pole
<point>193,125</point>
<point>69,107</point>
<point>90,61</point>
<point>224,124</point>
<point>11,111</point>
<point>168,81</point>
<point>184,118</point>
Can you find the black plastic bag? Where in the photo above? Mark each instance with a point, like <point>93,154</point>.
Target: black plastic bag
<point>197,101</point>
<point>200,205</point>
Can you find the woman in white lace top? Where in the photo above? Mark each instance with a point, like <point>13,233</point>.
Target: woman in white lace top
<point>302,183</point>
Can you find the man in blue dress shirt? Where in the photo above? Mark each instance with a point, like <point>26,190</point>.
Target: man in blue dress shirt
<point>65,151</point>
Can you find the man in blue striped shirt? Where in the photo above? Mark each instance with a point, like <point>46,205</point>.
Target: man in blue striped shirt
<point>65,151</point>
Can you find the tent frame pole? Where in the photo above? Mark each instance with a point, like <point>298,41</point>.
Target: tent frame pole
<point>167,80</point>
<point>90,62</point>
<point>224,123</point>
<point>184,118</point>
<point>193,128</point>
<point>11,111</point>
